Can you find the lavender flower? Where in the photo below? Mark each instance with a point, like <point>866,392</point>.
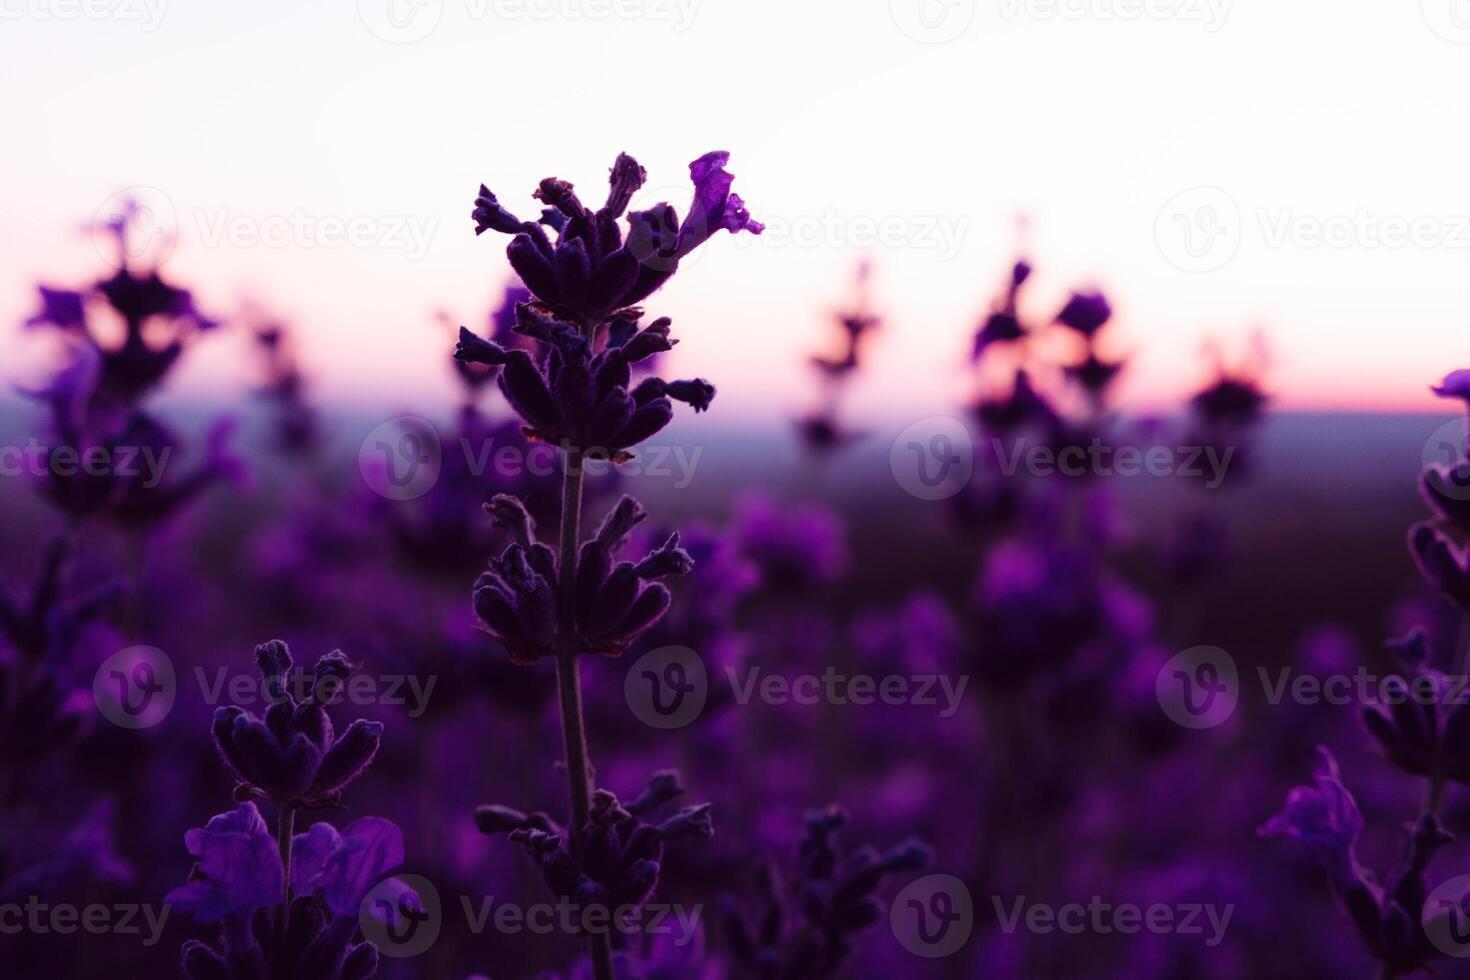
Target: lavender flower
<point>812,930</point>
<point>591,272</point>
<point>616,601</point>
<point>292,756</point>
<point>612,865</point>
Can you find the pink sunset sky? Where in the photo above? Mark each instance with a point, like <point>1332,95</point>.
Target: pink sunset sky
<point>1216,167</point>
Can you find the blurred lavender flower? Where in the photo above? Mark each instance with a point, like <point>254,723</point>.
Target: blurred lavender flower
<point>811,929</point>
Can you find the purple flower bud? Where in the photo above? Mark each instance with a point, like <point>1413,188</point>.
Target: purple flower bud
<point>626,177</point>
<point>509,513</point>
<point>489,215</point>
<point>1086,313</point>
<point>1441,563</point>
<point>474,349</point>
<point>1324,817</point>
<point>670,559</point>
<point>697,393</point>
<point>1456,384</point>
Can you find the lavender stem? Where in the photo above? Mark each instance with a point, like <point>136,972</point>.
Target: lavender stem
<point>285,829</point>
<point>568,683</point>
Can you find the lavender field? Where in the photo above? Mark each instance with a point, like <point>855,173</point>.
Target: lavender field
<point>453,527</point>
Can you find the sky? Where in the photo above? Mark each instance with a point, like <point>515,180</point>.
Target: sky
<point>1217,167</point>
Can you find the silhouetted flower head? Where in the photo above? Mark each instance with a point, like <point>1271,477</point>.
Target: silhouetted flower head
<point>615,601</point>
<point>1456,384</point>
<point>579,398</point>
<point>809,929</point>
<point>1023,407</point>
<point>292,756</point>
<point>1232,401</point>
<point>46,623</point>
<point>1324,817</point>
<point>1443,564</point>
<point>593,270</point>
<point>1447,491</point>
<point>613,865</point>
<point>1094,374</point>
<point>1086,313</point>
